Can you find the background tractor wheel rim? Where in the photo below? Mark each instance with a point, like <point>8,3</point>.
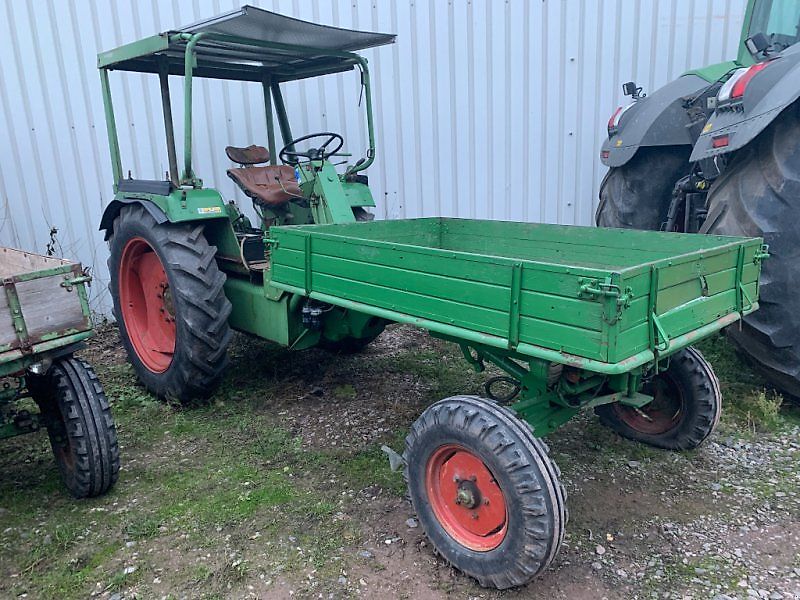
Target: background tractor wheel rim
<point>465,498</point>
<point>663,414</point>
<point>145,302</point>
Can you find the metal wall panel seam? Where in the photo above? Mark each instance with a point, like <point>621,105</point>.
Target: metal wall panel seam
<point>17,168</point>
<point>451,61</point>
<point>73,139</point>
<point>545,44</point>
<point>398,132</point>
<point>434,87</point>
<point>13,123</point>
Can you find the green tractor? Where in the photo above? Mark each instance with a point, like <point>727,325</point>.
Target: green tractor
<point>718,151</point>
<point>181,256</point>
<point>577,318</point>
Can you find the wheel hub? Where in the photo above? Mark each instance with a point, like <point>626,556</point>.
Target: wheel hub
<point>466,499</point>
<point>662,414</point>
<point>147,305</point>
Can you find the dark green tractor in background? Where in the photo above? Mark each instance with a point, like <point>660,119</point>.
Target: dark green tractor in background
<point>718,151</point>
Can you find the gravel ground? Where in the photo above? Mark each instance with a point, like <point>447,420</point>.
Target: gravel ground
<point>195,513</point>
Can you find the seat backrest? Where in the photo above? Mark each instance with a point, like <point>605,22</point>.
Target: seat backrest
<point>252,155</point>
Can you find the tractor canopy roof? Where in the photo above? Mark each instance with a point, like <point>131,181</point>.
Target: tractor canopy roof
<point>247,44</point>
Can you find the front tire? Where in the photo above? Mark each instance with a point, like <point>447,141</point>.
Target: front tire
<point>80,426</point>
<point>485,491</point>
<point>685,410</point>
<point>759,196</point>
<point>637,195</point>
<point>170,304</point>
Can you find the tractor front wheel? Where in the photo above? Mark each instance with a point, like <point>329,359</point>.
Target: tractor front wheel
<point>685,410</point>
<point>79,422</point>
<point>485,491</point>
<point>170,304</point>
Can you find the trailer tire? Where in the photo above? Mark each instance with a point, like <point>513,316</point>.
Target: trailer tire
<point>685,411</point>
<point>179,347</point>
<point>80,426</point>
<point>508,479</point>
<point>637,195</point>
<point>758,195</point>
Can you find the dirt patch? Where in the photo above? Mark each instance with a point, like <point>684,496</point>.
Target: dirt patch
<point>278,488</point>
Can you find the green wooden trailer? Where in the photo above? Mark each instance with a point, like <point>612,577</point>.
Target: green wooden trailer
<point>576,318</point>
<point>44,319</point>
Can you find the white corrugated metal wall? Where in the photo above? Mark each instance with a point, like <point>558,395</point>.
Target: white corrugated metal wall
<point>485,108</point>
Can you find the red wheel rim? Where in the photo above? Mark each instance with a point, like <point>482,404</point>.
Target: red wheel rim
<point>465,498</point>
<point>146,304</point>
<point>662,415</point>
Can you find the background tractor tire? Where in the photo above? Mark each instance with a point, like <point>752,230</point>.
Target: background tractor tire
<point>485,490</point>
<point>170,304</point>
<point>637,195</point>
<point>79,422</point>
<point>758,195</point>
<point>686,408</point>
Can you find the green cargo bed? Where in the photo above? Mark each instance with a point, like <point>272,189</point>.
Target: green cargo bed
<point>603,299</point>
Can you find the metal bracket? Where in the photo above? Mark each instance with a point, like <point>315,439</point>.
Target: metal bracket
<point>660,332</point>
<point>70,283</point>
<point>605,289</point>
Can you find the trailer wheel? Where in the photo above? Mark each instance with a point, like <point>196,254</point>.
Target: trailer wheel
<point>80,426</point>
<point>637,194</point>
<point>170,304</point>
<point>685,410</point>
<point>485,491</point>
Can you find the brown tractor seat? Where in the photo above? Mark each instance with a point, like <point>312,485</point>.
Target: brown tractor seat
<point>252,155</point>
<point>269,186</point>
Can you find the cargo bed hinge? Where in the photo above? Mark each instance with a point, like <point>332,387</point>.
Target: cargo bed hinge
<point>605,289</point>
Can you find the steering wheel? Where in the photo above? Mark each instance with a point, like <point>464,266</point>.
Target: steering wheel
<point>290,156</point>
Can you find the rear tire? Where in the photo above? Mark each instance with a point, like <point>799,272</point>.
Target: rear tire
<point>759,196</point>
<point>637,194</point>
<point>685,411</point>
<point>170,304</point>
<point>485,491</point>
<point>80,426</point>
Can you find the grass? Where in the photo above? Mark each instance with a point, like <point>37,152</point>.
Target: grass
<point>236,483</point>
<point>749,403</point>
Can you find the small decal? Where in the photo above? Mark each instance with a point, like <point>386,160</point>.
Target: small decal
<point>297,175</point>
<point>209,210</point>
<point>708,127</point>
<point>618,144</point>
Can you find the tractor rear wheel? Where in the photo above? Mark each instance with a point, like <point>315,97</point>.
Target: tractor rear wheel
<point>686,406</point>
<point>759,196</point>
<point>637,194</point>
<point>170,304</point>
<point>485,490</point>
<point>79,422</point>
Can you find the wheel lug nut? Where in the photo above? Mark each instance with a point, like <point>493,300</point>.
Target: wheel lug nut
<point>486,502</point>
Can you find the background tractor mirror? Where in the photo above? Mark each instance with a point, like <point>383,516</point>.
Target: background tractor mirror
<point>631,89</point>
<point>757,43</point>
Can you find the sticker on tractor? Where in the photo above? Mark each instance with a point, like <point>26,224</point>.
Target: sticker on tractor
<point>297,175</point>
<point>708,127</point>
<point>209,210</point>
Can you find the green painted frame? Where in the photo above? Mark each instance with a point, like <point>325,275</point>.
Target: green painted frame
<point>270,87</point>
